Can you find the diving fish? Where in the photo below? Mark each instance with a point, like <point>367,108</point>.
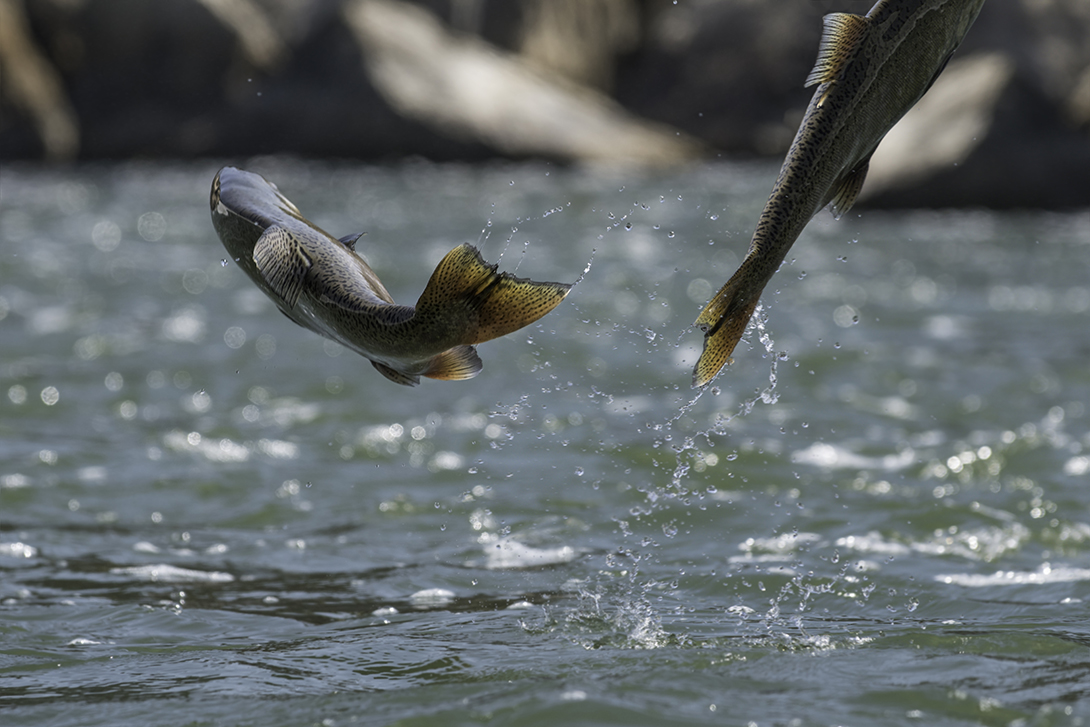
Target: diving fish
<point>321,283</point>
<point>871,70</point>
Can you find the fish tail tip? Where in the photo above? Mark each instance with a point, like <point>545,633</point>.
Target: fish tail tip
<point>514,303</point>
<point>723,322</point>
<point>712,360</point>
<point>501,302</point>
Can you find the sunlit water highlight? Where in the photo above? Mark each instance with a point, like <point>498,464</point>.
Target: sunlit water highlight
<point>877,515</point>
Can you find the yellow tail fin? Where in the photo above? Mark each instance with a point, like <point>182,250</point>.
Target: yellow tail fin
<point>723,321</point>
<point>495,304</point>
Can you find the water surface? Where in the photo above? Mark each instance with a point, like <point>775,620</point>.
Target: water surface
<point>877,515</point>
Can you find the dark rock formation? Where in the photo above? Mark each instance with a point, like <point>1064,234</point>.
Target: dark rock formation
<point>637,81</point>
<point>983,132</point>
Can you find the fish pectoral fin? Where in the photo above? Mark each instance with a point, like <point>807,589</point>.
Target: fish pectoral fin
<point>283,263</point>
<point>847,189</point>
<point>460,362</point>
<point>841,33</point>
<point>468,291</point>
<point>394,375</point>
<point>723,321</point>
<point>350,241</point>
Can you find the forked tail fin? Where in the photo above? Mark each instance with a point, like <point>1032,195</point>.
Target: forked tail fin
<point>723,321</point>
<point>467,289</point>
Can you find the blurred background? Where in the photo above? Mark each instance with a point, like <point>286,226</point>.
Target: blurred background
<point>637,82</point>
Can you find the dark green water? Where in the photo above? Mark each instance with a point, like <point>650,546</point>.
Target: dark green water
<point>879,515</point>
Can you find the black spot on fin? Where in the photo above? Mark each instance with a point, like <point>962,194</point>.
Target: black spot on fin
<point>848,189</point>
<point>841,33</point>
<point>283,263</point>
<point>350,241</point>
<point>396,376</point>
<point>460,362</point>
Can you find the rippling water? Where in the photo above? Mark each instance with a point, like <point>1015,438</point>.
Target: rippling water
<point>879,514</point>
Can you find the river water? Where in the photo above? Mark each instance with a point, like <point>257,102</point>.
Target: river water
<point>208,515</point>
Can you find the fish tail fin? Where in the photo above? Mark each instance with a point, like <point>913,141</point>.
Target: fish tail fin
<point>723,321</point>
<point>466,291</point>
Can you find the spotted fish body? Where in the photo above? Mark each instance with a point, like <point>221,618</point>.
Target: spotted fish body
<point>321,283</point>
<point>871,70</point>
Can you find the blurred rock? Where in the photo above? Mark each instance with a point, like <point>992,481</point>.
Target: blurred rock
<point>31,91</point>
<point>569,80</point>
<point>579,39</point>
<point>470,90</point>
<point>981,132</point>
<point>730,73</point>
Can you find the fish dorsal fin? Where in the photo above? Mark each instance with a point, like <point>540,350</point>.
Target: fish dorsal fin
<point>841,33</point>
<point>396,376</point>
<point>498,303</point>
<point>848,189</point>
<point>350,241</point>
<point>283,263</point>
<point>460,362</point>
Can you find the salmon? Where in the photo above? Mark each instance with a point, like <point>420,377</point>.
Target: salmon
<point>322,284</point>
<point>870,71</point>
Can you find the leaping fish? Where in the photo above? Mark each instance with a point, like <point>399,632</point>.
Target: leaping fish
<point>871,70</point>
<point>322,284</point>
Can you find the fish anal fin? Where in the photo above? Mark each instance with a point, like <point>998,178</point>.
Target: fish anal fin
<point>723,321</point>
<point>847,190</point>
<point>460,362</point>
<point>282,262</point>
<point>394,375</point>
<point>841,33</point>
<point>466,290</point>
